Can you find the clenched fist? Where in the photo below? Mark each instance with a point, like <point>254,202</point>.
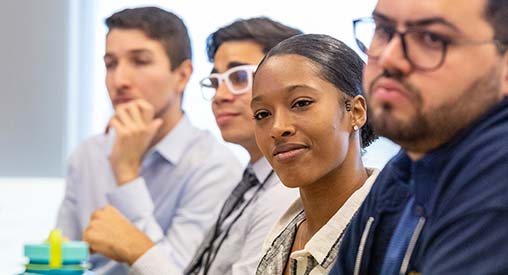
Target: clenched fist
<point>112,235</point>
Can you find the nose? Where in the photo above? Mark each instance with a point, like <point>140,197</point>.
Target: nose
<point>222,94</point>
<point>393,57</point>
<point>120,77</point>
<point>282,126</point>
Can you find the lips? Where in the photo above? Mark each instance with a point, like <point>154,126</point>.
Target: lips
<point>225,117</point>
<point>288,151</point>
<point>389,91</point>
<point>121,100</point>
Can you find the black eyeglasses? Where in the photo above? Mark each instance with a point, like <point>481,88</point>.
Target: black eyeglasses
<point>425,50</point>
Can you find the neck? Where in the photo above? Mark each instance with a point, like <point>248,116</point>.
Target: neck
<point>170,118</point>
<point>414,156</point>
<point>253,150</point>
<point>322,199</point>
<point>417,148</point>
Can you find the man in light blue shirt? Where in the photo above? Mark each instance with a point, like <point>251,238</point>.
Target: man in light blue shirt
<point>152,176</point>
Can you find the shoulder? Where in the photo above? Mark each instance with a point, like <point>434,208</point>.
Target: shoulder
<point>206,147</point>
<point>275,200</point>
<point>473,178</point>
<point>95,147</point>
<point>485,140</point>
<point>389,183</point>
<point>481,160</point>
<point>207,164</point>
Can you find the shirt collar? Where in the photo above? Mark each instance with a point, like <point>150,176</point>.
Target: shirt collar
<point>324,245</point>
<point>262,169</point>
<point>175,143</point>
<point>171,147</point>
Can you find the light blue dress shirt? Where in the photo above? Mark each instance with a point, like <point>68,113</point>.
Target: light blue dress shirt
<point>184,180</point>
<point>241,251</point>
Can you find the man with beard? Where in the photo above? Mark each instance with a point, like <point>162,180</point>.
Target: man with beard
<point>437,84</point>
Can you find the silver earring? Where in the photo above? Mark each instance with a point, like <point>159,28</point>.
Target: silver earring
<point>355,127</point>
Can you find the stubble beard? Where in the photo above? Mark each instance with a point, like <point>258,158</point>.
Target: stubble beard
<point>422,132</point>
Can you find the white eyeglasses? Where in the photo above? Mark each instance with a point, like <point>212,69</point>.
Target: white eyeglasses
<point>238,80</point>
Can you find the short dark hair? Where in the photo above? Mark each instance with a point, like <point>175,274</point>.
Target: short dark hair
<point>262,30</point>
<point>157,24</point>
<point>337,63</point>
<point>496,13</point>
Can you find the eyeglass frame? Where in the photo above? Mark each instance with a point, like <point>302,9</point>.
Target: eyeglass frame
<point>502,46</point>
<point>250,69</point>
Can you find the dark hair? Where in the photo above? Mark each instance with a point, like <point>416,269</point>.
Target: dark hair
<point>157,24</point>
<point>496,13</point>
<point>336,62</point>
<point>262,30</point>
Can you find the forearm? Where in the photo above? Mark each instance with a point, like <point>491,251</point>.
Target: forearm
<point>154,262</point>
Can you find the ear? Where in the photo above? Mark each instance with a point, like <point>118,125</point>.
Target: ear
<point>504,75</point>
<point>183,74</point>
<point>358,111</point>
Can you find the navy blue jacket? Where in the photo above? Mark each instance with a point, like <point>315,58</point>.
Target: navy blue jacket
<point>461,197</point>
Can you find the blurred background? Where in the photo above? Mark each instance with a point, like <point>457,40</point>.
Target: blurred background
<point>53,94</point>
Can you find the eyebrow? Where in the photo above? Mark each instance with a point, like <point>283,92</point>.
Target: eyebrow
<point>130,52</point>
<point>255,99</point>
<point>231,64</point>
<point>288,89</point>
<point>139,51</point>
<point>418,23</point>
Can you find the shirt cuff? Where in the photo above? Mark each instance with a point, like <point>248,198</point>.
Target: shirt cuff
<point>132,199</point>
<point>153,262</point>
